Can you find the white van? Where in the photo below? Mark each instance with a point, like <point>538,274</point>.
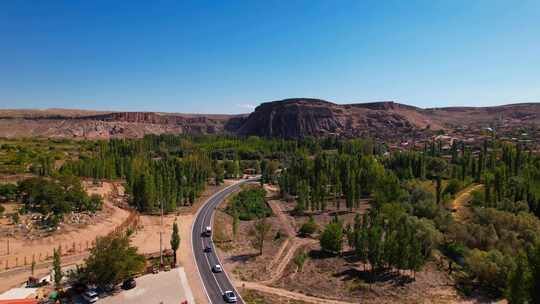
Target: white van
<point>208,231</point>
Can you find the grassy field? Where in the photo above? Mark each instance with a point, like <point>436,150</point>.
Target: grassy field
<point>21,155</point>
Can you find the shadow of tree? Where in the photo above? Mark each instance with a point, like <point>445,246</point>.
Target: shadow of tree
<point>369,276</point>
<point>375,276</point>
<point>242,257</point>
<point>339,212</point>
<point>319,254</point>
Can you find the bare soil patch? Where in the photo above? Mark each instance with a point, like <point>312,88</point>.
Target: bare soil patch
<point>333,279</point>
<point>240,258</point>
<point>27,244</point>
<point>343,278</point>
<point>255,296</point>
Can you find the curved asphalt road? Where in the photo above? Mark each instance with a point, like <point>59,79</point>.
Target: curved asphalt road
<point>214,283</point>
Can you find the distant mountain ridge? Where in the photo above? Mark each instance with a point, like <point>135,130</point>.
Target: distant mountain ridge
<point>288,118</point>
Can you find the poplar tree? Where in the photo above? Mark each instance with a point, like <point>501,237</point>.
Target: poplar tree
<point>175,240</point>
<point>57,267</point>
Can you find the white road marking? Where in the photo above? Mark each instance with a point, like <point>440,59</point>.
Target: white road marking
<point>211,243</point>
<point>206,257</point>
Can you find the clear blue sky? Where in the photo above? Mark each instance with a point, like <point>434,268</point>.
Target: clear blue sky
<point>226,56</point>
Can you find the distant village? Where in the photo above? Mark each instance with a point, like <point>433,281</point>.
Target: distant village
<point>527,136</point>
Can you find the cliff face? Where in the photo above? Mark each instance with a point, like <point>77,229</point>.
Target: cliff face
<point>104,125</point>
<point>289,118</point>
<point>292,119</point>
<point>296,118</point>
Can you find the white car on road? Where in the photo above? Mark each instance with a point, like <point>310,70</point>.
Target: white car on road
<point>229,297</point>
<point>217,268</point>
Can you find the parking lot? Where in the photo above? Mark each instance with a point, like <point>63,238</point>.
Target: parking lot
<point>165,287</point>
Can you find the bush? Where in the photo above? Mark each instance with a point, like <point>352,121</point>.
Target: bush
<point>57,196</point>
<point>491,268</point>
<point>308,228</point>
<point>332,238</point>
<point>112,260</point>
<point>300,260</point>
<point>477,198</point>
<point>453,187</point>
<point>8,192</point>
<point>249,204</point>
<point>94,203</point>
<point>15,218</point>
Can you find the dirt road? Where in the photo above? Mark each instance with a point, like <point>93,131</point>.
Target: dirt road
<point>286,293</point>
<point>74,241</point>
<point>461,200</point>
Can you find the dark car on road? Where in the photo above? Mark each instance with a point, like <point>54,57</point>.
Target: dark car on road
<point>207,249</point>
<point>129,284</point>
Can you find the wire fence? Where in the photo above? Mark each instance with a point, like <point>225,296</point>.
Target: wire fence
<point>66,249</point>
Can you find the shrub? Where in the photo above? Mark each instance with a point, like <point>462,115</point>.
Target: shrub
<point>490,268</point>
<point>308,228</point>
<point>453,187</point>
<point>249,204</point>
<point>300,260</point>
<point>332,238</point>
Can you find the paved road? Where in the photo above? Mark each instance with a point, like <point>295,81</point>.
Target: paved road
<point>214,283</point>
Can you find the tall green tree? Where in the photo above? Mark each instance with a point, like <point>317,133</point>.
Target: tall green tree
<point>535,275</point>
<point>519,282</point>
<point>438,189</point>
<point>57,267</point>
<point>331,239</point>
<point>175,240</point>
<point>112,260</point>
<point>260,232</point>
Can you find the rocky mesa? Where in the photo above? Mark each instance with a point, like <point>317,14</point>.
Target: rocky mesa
<point>288,118</point>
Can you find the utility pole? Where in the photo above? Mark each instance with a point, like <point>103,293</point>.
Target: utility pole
<point>161,236</point>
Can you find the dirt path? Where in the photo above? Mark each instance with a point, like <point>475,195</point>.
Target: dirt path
<point>277,271</point>
<point>283,217</point>
<point>277,266</point>
<point>285,293</point>
<point>75,241</point>
<point>462,198</point>
<point>285,255</point>
<point>288,248</point>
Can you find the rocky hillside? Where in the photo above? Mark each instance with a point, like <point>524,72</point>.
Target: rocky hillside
<point>293,118</point>
<point>58,123</point>
<point>289,118</point>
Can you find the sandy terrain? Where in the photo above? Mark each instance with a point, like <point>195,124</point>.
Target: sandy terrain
<point>239,257</point>
<point>146,238</point>
<point>344,278</point>
<point>74,240</point>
